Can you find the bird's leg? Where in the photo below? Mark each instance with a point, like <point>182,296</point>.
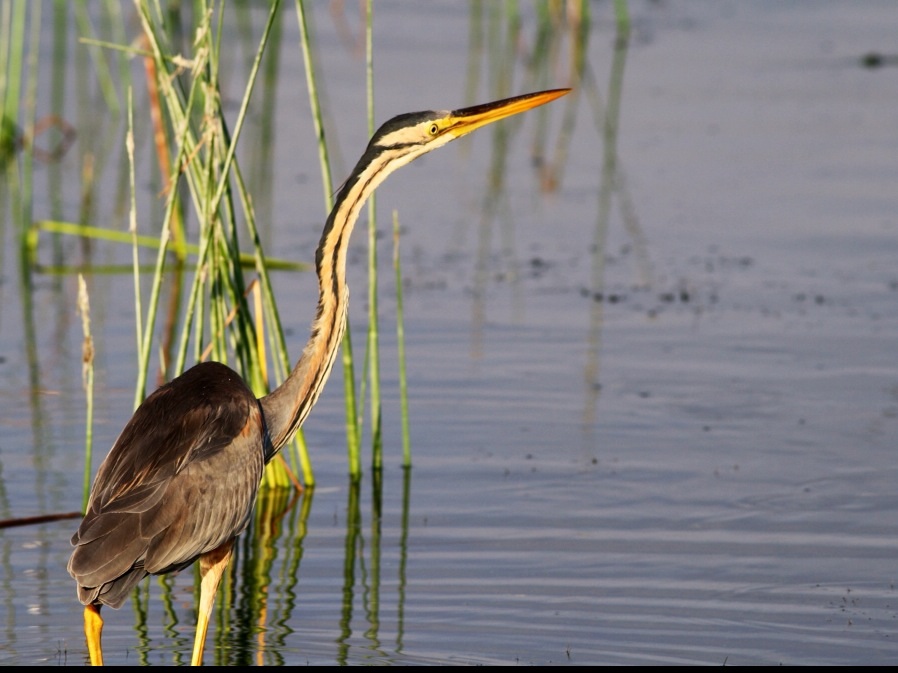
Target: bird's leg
<point>93,631</point>
<point>212,567</point>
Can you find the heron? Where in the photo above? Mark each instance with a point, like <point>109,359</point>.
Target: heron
<point>180,482</point>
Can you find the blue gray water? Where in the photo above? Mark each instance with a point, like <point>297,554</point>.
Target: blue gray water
<point>664,433</point>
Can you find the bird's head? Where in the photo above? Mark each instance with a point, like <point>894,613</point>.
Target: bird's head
<point>408,136</point>
<point>415,133</point>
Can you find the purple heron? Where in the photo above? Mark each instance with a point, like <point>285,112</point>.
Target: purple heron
<point>180,482</point>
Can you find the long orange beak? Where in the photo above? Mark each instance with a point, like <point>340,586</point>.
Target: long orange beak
<point>467,119</point>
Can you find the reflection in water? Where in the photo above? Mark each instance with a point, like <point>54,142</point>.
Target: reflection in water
<point>499,44</point>
<point>257,588</point>
<point>372,577</point>
<point>13,140</point>
<point>285,598</point>
<point>351,543</point>
<point>257,601</point>
<point>257,596</point>
<point>611,184</point>
<point>403,558</point>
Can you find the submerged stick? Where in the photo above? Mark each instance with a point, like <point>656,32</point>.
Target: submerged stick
<point>43,518</point>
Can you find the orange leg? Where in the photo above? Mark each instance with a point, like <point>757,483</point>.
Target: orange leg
<point>212,567</point>
<point>93,631</point>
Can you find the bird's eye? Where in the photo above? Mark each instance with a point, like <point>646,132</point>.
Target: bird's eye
<point>434,129</point>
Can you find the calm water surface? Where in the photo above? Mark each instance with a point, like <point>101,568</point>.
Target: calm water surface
<point>664,433</point>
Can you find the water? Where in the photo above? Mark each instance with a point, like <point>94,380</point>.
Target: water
<point>680,452</point>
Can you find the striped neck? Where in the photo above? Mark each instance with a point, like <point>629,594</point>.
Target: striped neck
<point>286,408</point>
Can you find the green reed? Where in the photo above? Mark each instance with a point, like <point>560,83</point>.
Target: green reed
<point>371,363</point>
<point>217,319</point>
<point>353,431</point>
<point>220,198</point>
<point>17,82</point>
<point>247,260</point>
<point>400,349</point>
<point>372,358</point>
<point>197,160</point>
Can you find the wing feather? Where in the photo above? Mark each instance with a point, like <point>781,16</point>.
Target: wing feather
<point>180,480</point>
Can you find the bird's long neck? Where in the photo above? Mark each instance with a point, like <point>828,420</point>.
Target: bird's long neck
<point>287,407</point>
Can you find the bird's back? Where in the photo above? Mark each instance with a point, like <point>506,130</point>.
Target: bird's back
<point>180,480</point>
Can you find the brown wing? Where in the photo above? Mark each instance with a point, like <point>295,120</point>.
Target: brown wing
<point>180,480</point>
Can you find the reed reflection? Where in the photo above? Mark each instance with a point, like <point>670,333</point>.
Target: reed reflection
<point>362,575</point>
<point>612,185</point>
<point>495,39</point>
<point>258,593</point>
